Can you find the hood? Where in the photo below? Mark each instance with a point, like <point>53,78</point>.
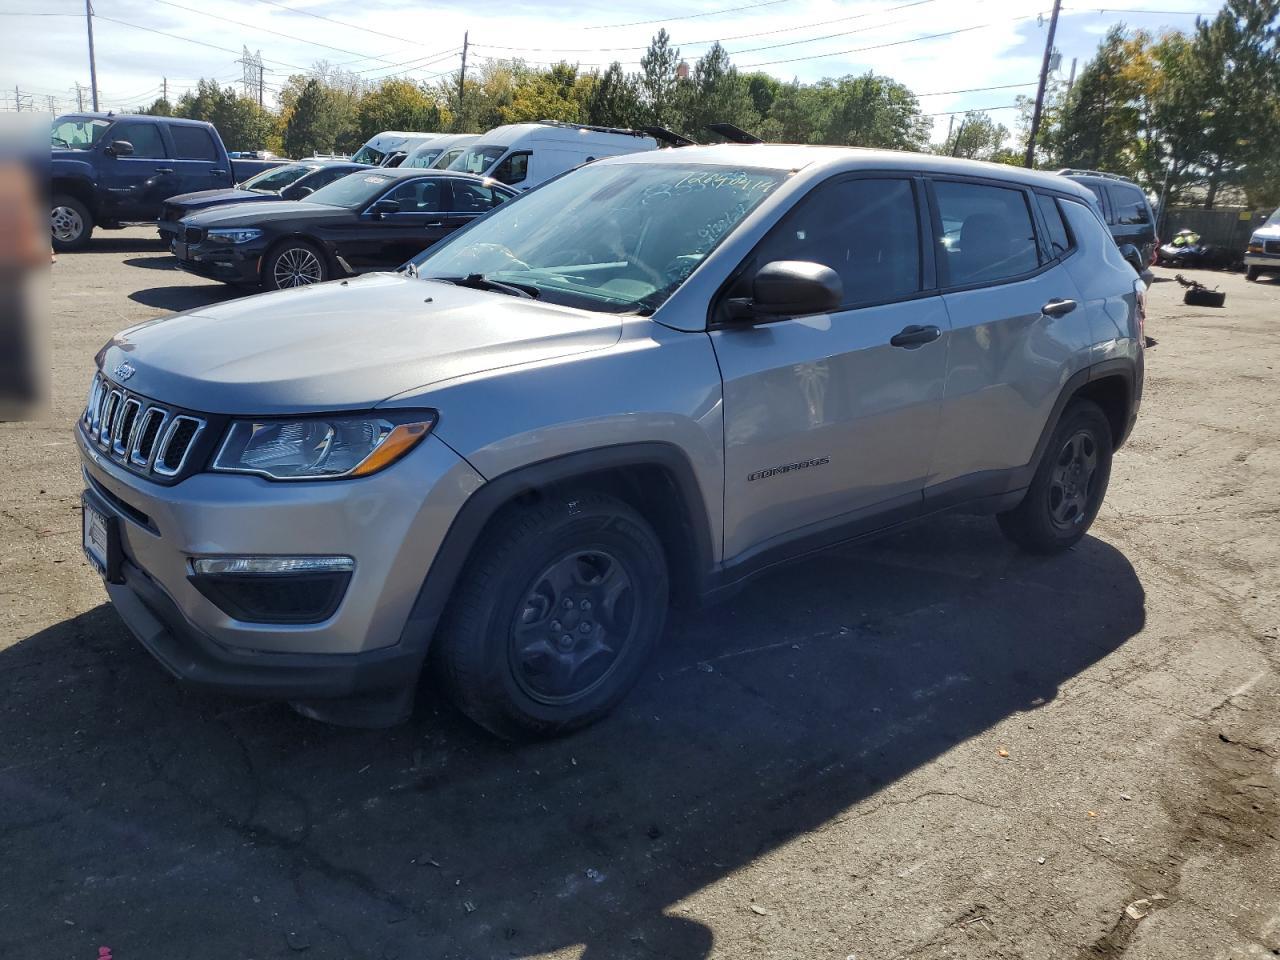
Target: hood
<point>255,214</point>
<point>343,345</point>
<point>207,198</point>
<point>1268,232</point>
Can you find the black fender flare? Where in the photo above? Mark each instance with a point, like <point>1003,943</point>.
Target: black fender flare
<point>470,522</point>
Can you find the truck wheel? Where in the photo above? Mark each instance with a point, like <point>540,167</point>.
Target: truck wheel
<point>554,616</point>
<point>70,223</point>
<point>1252,273</point>
<point>295,263</point>
<point>1068,485</point>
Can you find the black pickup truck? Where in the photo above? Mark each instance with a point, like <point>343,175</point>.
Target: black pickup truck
<point>108,170</point>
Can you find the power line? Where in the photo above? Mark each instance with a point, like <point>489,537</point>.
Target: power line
<point>895,43</point>
<point>1181,13</point>
<point>688,16</point>
<point>1003,86</point>
<point>952,113</point>
<point>174,36</point>
<point>439,54</point>
<point>342,23</point>
<point>252,26</point>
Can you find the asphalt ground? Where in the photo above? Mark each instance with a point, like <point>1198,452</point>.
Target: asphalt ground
<point>926,746</point>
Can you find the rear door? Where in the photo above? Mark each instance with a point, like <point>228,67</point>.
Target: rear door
<point>470,199</point>
<point>826,422</point>
<point>1016,326</point>
<point>198,163</point>
<point>138,184</point>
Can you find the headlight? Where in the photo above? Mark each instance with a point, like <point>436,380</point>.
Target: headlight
<point>230,235</point>
<point>321,448</point>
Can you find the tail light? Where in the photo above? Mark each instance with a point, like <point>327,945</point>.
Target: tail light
<point>1141,314</point>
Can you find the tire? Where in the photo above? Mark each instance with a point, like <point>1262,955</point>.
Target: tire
<point>1252,273</point>
<point>554,616</point>
<point>70,223</point>
<point>294,263</point>
<point>1069,485</point>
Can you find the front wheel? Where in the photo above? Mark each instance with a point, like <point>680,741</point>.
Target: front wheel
<point>554,617</point>
<point>70,223</point>
<point>295,263</point>
<point>1252,273</point>
<point>1069,483</point>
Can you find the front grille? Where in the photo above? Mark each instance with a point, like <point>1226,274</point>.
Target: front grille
<point>149,438</point>
<point>193,234</point>
<point>1272,246</point>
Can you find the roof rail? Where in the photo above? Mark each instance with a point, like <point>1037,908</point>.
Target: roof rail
<point>1072,171</point>
<point>586,126</point>
<point>733,133</point>
<point>669,137</point>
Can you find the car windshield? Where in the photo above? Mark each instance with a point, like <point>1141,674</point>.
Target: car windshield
<point>477,159</point>
<point>1273,220</point>
<point>355,191</point>
<point>617,238</point>
<point>422,158</point>
<point>77,133</point>
<point>446,159</point>
<point>369,155</point>
<point>276,178</point>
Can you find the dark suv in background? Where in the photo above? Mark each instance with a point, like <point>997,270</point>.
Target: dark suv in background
<point>1124,207</point>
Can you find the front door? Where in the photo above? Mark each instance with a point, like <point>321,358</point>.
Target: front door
<point>137,184</point>
<point>383,242</point>
<point>825,420</point>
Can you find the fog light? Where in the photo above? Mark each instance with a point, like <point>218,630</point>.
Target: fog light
<point>273,589</point>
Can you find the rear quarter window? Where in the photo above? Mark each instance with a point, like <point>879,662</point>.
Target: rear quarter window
<point>1129,205</point>
<point>1058,236</point>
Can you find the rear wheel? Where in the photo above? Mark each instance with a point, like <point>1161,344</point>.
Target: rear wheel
<point>554,617</point>
<point>70,223</point>
<point>1252,273</point>
<point>1069,484</point>
<point>295,263</point>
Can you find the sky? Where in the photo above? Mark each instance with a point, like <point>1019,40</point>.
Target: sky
<point>946,51</point>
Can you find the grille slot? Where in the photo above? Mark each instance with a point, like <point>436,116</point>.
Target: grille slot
<point>148,438</point>
<point>1271,246</point>
<point>175,446</point>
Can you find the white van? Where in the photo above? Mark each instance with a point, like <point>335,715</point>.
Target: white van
<point>523,155</point>
<point>388,148</point>
<point>440,152</point>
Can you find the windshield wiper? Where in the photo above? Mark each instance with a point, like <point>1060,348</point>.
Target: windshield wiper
<point>478,281</point>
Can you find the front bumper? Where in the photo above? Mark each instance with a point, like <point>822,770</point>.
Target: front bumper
<point>1269,262</point>
<point>169,230</point>
<point>231,263</point>
<point>392,523</point>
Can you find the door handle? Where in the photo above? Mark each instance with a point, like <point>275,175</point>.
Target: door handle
<point>434,223</point>
<point>914,336</point>
<point>1057,307</point>
<point>217,173</point>
<point>164,169</point>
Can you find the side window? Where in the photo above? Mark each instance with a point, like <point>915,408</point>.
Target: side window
<point>145,137</point>
<point>418,196</point>
<point>469,197</point>
<point>193,143</point>
<point>988,233</point>
<point>323,177</point>
<point>1129,205</point>
<point>513,169</point>
<point>867,231</point>
<point>1096,190</point>
<point>1059,239</point>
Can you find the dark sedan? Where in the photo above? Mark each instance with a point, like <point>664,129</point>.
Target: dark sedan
<point>292,181</point>
<point>366,221</point>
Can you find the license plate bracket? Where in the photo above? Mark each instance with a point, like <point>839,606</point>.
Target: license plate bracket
<point>100,539</point>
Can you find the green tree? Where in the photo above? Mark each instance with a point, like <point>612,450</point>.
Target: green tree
<point>714,92</point>
<point>658,80</point>
<point>615,100</point>
<point>160,107</point>
<point>242,124</point>
<point>316,121</point>
<point>976,137</point>
<point>397,105</point>
<point>555,94</point>
<point>868,111</point>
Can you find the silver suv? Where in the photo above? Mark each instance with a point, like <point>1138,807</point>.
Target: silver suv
<point>647,380</point>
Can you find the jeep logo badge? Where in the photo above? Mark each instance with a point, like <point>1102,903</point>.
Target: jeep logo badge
<point>123,371</point>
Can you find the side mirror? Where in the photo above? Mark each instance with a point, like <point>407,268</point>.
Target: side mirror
<point>790,288</point>
<point>120,148</point>
<point>385,206</point>
<point>1132,257</point>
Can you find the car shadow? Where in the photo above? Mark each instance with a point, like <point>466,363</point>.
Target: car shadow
<point>234,828</point>
<point>188,297</point>
<point>128,244</point>
<point>165,261</point>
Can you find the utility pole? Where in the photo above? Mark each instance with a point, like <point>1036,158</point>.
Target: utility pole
<point>1030,159</point>
<point>53,104</point>
<point>462,75</point>
<point>261,71</point>
<point>951,126</point>
<point>17,98</point>
<point>1071,80</point>
<point>164,85</point>
<point>79,96</point>
<point>93,67</point>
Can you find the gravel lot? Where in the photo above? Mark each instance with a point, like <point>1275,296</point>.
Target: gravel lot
<point>927,746</point>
